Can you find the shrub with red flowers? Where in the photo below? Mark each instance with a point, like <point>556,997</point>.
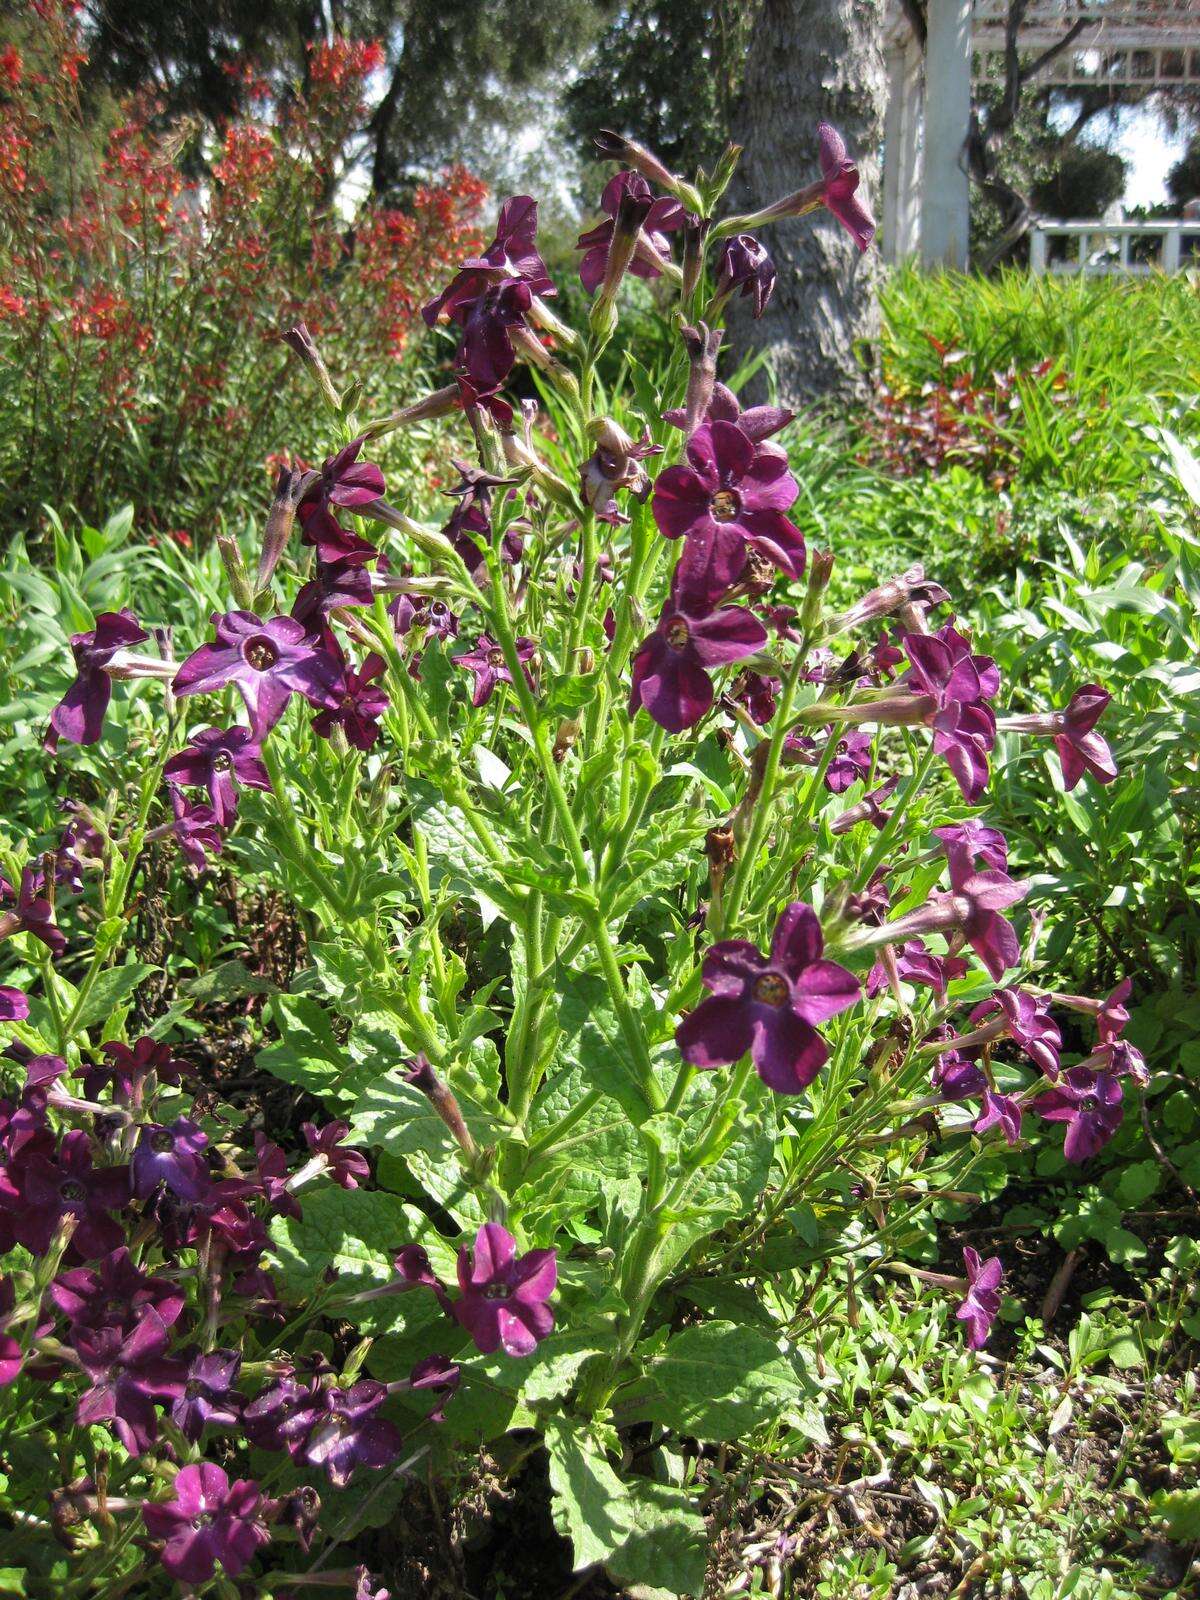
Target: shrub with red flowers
<point>145,270</point>
<point>651,917</point>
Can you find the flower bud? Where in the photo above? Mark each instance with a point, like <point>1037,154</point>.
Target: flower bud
<point>290,488</point>
<point>301,341</point>
<point>820,568</point>
<point>702,345</point>
<point>235,570</point>
<point>695,232</point>
<point>438,404</point>
<point>902,590</point>
<point>615,147</point>
<point>441,1098</point>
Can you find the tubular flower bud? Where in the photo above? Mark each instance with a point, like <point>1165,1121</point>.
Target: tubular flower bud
<point>441,1098</point>
<point>438,404</point>
<point>615,147</point>
<point>290,488</point>
<point>301,341</point>
<point>888,597</point>
<point>702,344</point>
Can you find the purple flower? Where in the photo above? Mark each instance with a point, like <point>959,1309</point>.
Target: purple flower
<point>1002,1111</point>
<point>79,715</point>
<point>362,705</point>
<point>337,584</point>
<point>129,1068</point>
<point>11,1357</point>
<point>757,423</point>
<point>653,251</point>
<point>757,693</point>
<point>769,1005</point>
<point>114,1291</point>
<point>957,685</point>
<point>195,830</point>
<point>266,1416</point>
<point>486,663</point>
<point>840,180</point>
<point>916,964</point>
<point>1089,1103</point>
<point>33,913</point>
<point>867,809</point>
<point>670,670</point>
<point>347,1168</point>
<point>851,761</point>
<point>956,1078</point>
<point>69,1186</point>
<point>218,759</point>
<point>745,266</point>
<point>987,894</point>
<point>485,352</point>
<point>503,1300</point>
<point>14,1004</point>
<point>338,1429</point>
<point>1080,748</point>
<point>209,1520</point>
<point>171,1156</point>
<point>267,660</point>
<point>512,254</point>
<point>129,1374</point>
<point>350,484</point>
<point>208,1394</point>
<point>1028,1023</point>
<point>732,494</point>
<point>972,838</point>
<point>441,1377</point>
<point>982,1304</point>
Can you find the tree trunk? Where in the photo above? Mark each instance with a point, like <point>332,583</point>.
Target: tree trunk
<point>811,61</point>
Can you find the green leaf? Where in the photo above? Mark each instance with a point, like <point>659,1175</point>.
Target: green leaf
<point>231,980</point>
<point>352,1232</point>
<point>398,1118</point>
<point>643,1532</point>
<point>114,985</point>
<point>1137,1183</point>
<point>1179,1512</point>
<point>717,1382</point>
<point>593,1041</point>
<point>456,855</point>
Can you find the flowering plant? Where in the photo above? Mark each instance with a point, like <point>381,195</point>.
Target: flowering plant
<point>657,947</point>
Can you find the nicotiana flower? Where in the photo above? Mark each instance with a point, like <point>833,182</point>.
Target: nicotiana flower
<point>1089,1102</point>
<point>339,1429</point>
<point>512,254</point>
<point>851,759</point>
<point>956,1078</point>
<point>1028,1023</point>
<point>344,483</point>
<point>745,267</point>
<point>440,1376</point>
<point>502,1300</point>
<point>769,1005</point>
<point>840,181</point>
<point>363,703</point>
<point>70,1186</point>
<point>337,584</point>
<point>32,913</point>
<point>733,494</point>
<point>958,685</point>
<point>867,809</point>
<point>1080,748</point>
<point>982,1304</point>
<point>999,1111</point>
<point>487,665</point>
<point>172,1156</point>
<point>208,1520</point>
<point>219,759</point>
<point>129,1068</point>
<point>195,831</point>
<point>268,660</point>
<point>670,670</point>
<point>652,250</point>
<point>116,1290</point>
<point>986,895</point>
<point>980,843</point>
<point>757,423</point>
<point>129,1374</point>
<point>14,1004</point>
<point>915,963</point>
<point>101,655</point>
<point>208,1394</point>
<point>11,1357</point>
<point>348,1168</point>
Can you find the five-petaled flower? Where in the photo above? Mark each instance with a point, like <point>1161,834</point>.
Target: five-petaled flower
<point>209,1520</point>
<point>487,665</point>
<point>219,759</point>
<point>670,670</point>
<point>982,1304</point>
<point>733,493</point>
<point>1089,1102</point>
<point>769,1005</point>
<point>502,1299</point>
<point>269,660</point>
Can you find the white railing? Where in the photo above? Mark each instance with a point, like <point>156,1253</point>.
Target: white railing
<point>1135,248</point>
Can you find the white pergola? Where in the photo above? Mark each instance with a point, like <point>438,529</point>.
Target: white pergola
<point>926,192</point>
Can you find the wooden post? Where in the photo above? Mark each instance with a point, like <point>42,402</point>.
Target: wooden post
<point>901,156</point>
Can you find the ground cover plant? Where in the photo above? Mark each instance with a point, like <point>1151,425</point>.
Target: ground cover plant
<point>644,963</point>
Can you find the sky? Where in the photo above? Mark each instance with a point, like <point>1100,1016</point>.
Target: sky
<point>1146,145</point>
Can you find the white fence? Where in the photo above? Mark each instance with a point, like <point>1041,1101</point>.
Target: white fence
<point>1097,248</point>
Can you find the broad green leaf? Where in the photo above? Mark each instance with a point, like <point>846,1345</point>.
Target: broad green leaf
<point>351,1232</point>
<point>643,1532</point>
<point>594,1041</point>
<point>718,1381</point>
<point>114,985</point>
